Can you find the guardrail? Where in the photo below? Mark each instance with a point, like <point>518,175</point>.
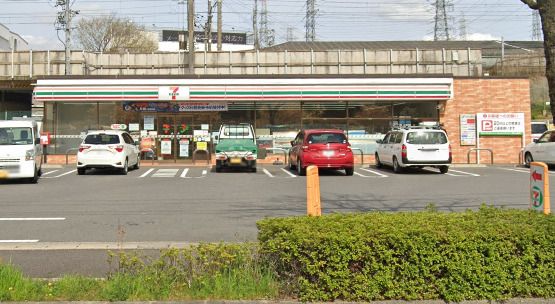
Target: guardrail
<point>67,153</point>
<point>361,154</point>
<point>204,151</point>
<point>281,150</point>
<point>476,150</point>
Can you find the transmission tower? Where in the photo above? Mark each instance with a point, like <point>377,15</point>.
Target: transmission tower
<point>266,35</point>
<point>310,20</point>
<point>462,28</point>
<point>441,20</point>
<point>290,34</point>
<point>63,23</point>
<point>536,26</point>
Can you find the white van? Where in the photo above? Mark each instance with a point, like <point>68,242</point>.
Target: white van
<point>20,150</point>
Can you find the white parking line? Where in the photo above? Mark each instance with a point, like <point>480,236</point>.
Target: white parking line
<point>32,219</point>
<point>204,172</point>
<point>287,171</point>
<point>267,172</point>
<point>473,174</point>
<point>19,241</point>
<point>184,173</point>
<point>70,172</point>
<point>165,173</point>
<point>517,170</point>
<point>358,174</point>
<point>49,172</point>
<point>147,173</point>
<point>375,172</point>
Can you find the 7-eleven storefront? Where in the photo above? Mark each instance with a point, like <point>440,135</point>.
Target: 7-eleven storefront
<point>174,117</point>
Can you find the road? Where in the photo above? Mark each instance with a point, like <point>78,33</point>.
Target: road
<point>155,206</point>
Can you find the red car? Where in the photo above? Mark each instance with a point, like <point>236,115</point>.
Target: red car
<point>323,148</point>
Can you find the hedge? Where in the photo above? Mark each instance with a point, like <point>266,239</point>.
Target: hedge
<point>474,255</point>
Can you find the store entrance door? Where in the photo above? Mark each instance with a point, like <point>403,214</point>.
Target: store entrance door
<point>174,137</point>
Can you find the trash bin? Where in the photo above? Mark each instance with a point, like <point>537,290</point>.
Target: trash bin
<point>262,152</point>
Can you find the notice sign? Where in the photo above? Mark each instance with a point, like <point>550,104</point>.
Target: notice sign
<point>184,148</point>
<point>539,187</point>
<point>500,124</point>
<point>166,146</point>
<point>173,93</point>
<point>468,129</point>
<point>149,122</point>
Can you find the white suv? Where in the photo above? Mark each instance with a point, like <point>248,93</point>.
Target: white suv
<point>108,149</point>
<point>414,147</point>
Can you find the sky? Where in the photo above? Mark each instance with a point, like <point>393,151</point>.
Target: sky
<point>336,20</point>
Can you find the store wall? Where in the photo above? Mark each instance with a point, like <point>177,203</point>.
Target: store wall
<point>485,95</point>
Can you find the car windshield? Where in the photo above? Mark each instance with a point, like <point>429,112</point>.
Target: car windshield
<point>538,128</point>
<point>102,139</point>
<point>16,136</point>
<point>426,138</point>
<point>327,138</point>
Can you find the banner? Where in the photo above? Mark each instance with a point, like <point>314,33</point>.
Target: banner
<point>174,107</point>
<point>500,124</point>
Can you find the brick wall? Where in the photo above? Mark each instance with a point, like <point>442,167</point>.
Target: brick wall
<point>485,95</point>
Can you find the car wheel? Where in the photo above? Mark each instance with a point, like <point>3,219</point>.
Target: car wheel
<point>125,168</point>
<point>253,169</point>
<point>349,171</point>
<point>35,178</point>
<point>443,169</point>
<point>291,166</point>
<point>378,162</point>
<point>80,171</point>
<point>528,159</point>
<point>218,166</point>
<point>138,165</point>
<point>396,167</point>
<point>300,170</point>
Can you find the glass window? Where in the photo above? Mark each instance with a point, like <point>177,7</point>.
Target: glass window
<point>426,138</point>
<point>398,138</point>
<point>16,136</point>
<point>340,124</point>
<point>278,116</point>
<point>324,110</point>
<point>370,110</point>
<point>327,138</point>
<point>102,139</point>
<point>538,128</point>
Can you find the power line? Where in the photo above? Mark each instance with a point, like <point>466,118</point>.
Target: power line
<point>441,21</point>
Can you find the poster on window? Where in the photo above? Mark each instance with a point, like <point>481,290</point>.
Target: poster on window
<point>149,123</point>
<point>500,124</point>
<point>468,129</point>
<point>184,148</point>
<point>166,146</point>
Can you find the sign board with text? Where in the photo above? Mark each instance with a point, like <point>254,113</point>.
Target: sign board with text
<point>539,187</point>
<point>468,129</point>
<point>500,124</point>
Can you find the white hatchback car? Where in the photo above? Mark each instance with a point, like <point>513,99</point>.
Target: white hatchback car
<point>541,150</point>
<point>108,149</point>
<point>414,147</point>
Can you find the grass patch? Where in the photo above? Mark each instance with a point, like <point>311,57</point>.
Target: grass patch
<point>206,271</point>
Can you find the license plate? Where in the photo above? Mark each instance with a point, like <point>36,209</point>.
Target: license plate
<point>3,174</point>
<point>235,160</point>
<point>329,153</point>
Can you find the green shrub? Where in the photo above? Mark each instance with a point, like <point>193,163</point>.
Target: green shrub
<point>485,254</point>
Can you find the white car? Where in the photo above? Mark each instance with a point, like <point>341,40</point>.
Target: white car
<point>538,127</point>
<point>108,149</point>
<point>541,150</point>
<point>414,147</point>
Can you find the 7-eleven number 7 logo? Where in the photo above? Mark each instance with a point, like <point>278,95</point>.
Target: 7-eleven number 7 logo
<point>174,92</point>
<point>537,197</point>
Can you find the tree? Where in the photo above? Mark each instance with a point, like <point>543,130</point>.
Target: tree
<point>546,9</point>
<point>112,34</point>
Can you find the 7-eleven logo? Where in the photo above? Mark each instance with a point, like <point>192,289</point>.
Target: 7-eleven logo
<point>174,92</point>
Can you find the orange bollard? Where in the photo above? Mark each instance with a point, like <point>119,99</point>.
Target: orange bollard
<point>313,206</point>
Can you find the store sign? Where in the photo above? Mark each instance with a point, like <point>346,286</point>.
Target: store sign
<point>539,187</point>
<point>500,124</point>
<point>118,126</point>
<point>173,93</point>
<point>174,107</point>
<point>468,129</point>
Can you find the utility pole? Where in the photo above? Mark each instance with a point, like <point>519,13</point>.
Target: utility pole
<point>441,21</point>
<point>263,36</point>
<point>462,28</point>
<point>219,25</point>
<point>191,34</point>
<point>310,25</point>
<point>255,25</point>
<point>63,22</point>
<point>208,29</point>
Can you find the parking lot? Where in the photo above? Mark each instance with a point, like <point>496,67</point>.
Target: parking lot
<point>191,204</point>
